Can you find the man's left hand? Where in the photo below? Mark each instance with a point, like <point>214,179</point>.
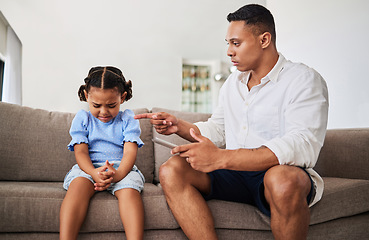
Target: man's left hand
<point>202,155</point>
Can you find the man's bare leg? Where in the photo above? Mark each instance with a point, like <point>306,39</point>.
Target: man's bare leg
<point>182,186</point>
<point>286,190</point>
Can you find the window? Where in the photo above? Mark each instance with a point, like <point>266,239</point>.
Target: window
<point>2,64</point>
<point>196,89</point>
<point>10,64</point>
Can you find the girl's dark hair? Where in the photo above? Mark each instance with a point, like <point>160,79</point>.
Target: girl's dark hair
<point>257,16</point>
<point>105,78</point>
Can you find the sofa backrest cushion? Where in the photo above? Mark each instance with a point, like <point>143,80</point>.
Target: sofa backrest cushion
<point>345,153</point>
<point>145,157</point>
<point>162,153</point>
<point>33,144</point>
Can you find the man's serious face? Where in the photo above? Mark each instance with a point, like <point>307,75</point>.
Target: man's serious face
<point>244,48</point>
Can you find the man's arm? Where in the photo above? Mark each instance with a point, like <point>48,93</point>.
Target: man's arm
<point>202,154</point>
<point>257,159</point>
<point>167,124</point>
<point>206,157</point>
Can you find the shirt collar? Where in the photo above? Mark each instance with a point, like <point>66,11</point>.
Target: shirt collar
<point>271,76</point>
<point>278,67</point>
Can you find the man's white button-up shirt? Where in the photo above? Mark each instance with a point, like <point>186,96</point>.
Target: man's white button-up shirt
<point>287,112</point>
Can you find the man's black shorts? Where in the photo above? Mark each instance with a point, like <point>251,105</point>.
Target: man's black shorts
<point>243,187</point>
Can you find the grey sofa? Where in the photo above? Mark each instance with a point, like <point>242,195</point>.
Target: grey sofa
<point>34,160</point>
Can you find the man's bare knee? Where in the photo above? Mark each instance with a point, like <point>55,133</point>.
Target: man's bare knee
<point>170,171</point>
<point>286,186</point>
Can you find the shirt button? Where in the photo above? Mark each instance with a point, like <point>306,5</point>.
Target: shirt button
<point>244,127</point>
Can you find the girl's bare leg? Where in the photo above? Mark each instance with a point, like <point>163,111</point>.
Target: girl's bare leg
<point>131,212</point>
<point>74,207</point>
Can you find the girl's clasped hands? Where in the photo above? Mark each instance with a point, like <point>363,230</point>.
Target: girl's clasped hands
<point>103,176</point>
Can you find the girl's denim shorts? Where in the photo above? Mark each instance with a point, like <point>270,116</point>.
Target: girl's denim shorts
<point>134,179</point>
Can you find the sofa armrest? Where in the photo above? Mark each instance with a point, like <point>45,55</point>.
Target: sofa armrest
<point>345,154</point>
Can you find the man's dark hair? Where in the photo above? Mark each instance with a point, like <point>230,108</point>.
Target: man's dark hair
<point>256,16</point>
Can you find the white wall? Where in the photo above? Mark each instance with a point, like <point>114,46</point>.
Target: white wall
<point>147,39</point>
<point>332,37</point>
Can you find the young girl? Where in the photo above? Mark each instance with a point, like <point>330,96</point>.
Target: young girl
<point>105,142</point>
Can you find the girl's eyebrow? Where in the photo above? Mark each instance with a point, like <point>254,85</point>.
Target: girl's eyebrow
<point>109,104</point>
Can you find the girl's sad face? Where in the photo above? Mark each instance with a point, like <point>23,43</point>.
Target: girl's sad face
<point>104,104</point>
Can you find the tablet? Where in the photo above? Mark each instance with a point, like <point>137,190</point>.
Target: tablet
<point>164,143</point>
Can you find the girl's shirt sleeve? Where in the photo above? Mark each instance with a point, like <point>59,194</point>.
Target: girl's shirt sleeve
<point>131,128</point>
<point>78,130</point>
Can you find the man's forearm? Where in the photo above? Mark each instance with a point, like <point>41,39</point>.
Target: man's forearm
<point>184,130</point>
<point>257,159</point>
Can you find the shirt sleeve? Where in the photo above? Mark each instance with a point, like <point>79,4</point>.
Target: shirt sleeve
<point>132,130</point>
<point>305,121</point>
<point>78,130</point>
<point>213,129</point>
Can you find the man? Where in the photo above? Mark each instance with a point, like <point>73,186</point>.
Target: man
<point>272,115</point>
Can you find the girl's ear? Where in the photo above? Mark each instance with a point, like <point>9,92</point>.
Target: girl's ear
<point>86,94</point>
<point>124,95</point>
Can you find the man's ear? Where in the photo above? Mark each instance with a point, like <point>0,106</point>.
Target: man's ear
<point>265,39</point>
<point>124,95</point>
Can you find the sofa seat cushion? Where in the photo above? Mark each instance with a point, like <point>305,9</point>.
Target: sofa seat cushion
<point>35,206</point>
<point>341,198</point>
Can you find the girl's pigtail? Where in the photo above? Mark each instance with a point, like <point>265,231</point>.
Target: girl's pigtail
<point>83,89</point>
<point>128,89</point>
<point>81,93</point>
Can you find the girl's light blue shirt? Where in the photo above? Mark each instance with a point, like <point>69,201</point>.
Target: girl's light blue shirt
<point>105,140</point>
